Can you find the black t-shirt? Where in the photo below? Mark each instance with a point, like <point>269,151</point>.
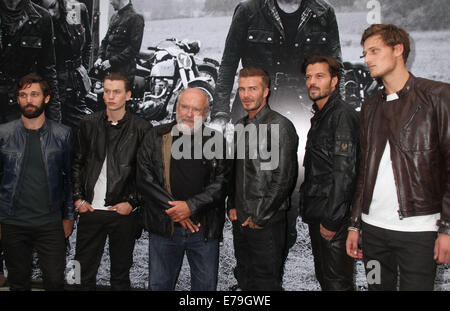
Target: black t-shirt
<point>33,202</point>
<point>188,176</point>
<point>290,23</point>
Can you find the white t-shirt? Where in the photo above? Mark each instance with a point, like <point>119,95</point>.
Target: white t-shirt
<point>383,210</point>
<point>98,202</point>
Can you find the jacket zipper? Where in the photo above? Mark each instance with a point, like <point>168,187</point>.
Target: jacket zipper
<point>46,172</point>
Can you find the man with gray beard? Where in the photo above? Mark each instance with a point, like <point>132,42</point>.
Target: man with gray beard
<point>183,196</point>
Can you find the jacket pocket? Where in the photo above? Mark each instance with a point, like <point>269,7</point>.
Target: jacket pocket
<point>260,36</point>
<point>419,133</point>
<point>33,42</point>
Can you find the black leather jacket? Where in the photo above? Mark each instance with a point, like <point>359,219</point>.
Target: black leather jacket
<point>123,40</point>
<point>256,37</point>
<point>153,182</point>
<point>257,190</point>
<point>30,49</point>
<point>331,163</point>
<point>56,145</point>
<point>419,136</point>
<point>97,138</point>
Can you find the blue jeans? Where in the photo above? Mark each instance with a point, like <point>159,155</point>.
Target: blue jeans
<point>166,258</point>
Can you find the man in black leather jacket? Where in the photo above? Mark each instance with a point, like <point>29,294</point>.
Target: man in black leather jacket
<point>276,35</point>
<point>73,46</point>
<point>122,41</point>
<point>265,172</point>
<point>184,195</point>
<point>36,209</point>
<point>331,161</point>
<point>26,45</point>
<point>104,187</point>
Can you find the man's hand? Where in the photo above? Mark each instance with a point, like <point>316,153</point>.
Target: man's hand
<point>68,227</point>
<point>352,245</point>
<point>326,234</point>
<point>251,224</point>
<point>442,249</point>
<point>123,208</point>
<point>188,224</point>
<point>84,208</point>
<point>106,65</point>
<point>179,211</point>
<point>232,214</point>
<point>98,63</point>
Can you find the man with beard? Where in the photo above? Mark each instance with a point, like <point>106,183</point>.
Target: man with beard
<point>26,45</point>
<point>72,48</point>
<point>36,208</point>
<point>184,196</point>
<point>261,189</point>
<point>330,162</point>
<point>402,200</point>
<point>122,41</point>
<point>104,186</point>
<point>277,36</point>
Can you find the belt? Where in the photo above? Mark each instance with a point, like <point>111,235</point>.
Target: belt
<point>68,65</point>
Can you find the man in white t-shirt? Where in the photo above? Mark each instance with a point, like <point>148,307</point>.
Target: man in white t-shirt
<point>402,200</point>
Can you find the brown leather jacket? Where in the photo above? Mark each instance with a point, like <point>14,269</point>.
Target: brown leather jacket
<point>417,127</point>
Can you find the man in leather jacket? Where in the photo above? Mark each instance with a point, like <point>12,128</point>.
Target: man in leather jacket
<point>402,199</point>
<point>261,186</point>
<point>122,41</point>
<point>36,209</point>
<point>26,45</point>
<point>276,35</point>
<point>73,46</point>
<point>332,153</point>
<point>104,187</point>
<point>183,195</point>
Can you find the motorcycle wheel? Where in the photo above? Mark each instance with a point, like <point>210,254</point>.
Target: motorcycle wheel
<point>208,72</point>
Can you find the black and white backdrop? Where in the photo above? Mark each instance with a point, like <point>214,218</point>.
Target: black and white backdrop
<point>209,20</point>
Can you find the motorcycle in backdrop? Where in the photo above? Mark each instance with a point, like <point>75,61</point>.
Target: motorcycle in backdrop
<point>162,73</point>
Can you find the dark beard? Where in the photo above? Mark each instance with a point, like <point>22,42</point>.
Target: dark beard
<point>33,114</point>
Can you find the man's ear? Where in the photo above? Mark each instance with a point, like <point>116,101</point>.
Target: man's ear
<point>47,99</point>
<point>398,50</point>
<point>128,95</point>
<point>334,82</point>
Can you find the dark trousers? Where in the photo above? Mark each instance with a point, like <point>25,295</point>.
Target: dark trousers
<point>92,231</point>
<point>18,243</point>
<point>408,254</point>
<point>259,256</point>
<point>333,267</point>
<point>166,258</point>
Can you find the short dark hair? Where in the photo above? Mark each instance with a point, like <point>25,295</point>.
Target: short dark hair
<point>117,76</point>
<point>30,79</point>
<point>391,36</point>
<point>255,72</point>
<point>333,64</point>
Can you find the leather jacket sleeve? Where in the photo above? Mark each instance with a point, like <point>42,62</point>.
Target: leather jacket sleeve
<point>146,178</point>
<point>46,67</point>
<point>230,60</point>
<point>283,178</point>
<point>69,209</point>
<point>346,152</point>
<point>87,48</point>
<point>443,116</point>
<point>80,154</point>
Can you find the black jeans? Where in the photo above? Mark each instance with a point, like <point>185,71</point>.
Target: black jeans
<point>18,243</point>
<point>93,228</point>
<point>408,254</point>
<point>259,256</point>
<point>334,268</point>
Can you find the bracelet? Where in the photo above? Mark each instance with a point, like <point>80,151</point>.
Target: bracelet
<point>353,229</point>
<point>80,205</point>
